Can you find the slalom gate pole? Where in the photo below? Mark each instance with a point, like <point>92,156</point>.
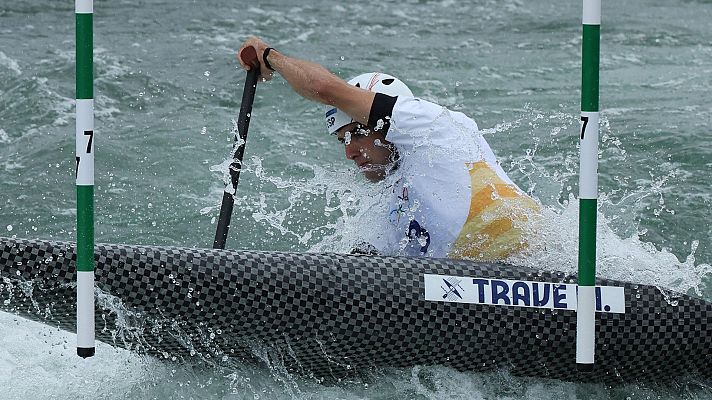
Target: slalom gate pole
<point>243,123</point>
<point>84,12</point>
<point>588,187</point>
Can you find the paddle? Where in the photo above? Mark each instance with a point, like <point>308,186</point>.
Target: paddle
<point>248,55</point>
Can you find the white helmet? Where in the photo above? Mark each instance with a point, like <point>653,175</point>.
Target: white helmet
<point>373,82</point>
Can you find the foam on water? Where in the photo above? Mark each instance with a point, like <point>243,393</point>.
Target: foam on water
<point>28,373</point>
<point>621,258</point>
<point>10,64</point>
<point>622,252</point>
<point>38,359</point>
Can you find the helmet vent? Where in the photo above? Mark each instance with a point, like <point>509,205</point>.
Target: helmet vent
<point>358,85</point>
<point>387,81</point>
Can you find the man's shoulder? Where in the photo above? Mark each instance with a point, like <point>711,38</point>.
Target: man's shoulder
<point>405,103</point>
<point>415,112</point>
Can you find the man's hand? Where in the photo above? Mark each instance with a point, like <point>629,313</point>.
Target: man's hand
<point>247,60</point>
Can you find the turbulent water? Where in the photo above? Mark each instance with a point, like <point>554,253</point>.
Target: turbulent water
<point>167,91</point>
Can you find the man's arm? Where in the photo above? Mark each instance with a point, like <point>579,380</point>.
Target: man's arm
<point>312,81</point>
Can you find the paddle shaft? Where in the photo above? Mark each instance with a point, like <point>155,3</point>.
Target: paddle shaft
<point>243,124</point>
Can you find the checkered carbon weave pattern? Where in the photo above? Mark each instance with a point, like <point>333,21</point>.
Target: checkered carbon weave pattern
<point>332,314</point>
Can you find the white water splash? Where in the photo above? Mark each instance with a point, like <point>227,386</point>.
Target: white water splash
<point>4,137</point>
<point>621,258</point>
<point>10,64</point>
<point>622,254</point>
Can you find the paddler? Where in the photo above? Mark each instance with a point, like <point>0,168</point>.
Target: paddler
<point>450,197</point>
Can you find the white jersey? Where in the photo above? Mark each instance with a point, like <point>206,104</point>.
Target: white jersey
<point>450,197</point>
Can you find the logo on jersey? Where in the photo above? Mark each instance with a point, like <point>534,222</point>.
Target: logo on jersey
<point>401,208</point>
<point>416,235</point>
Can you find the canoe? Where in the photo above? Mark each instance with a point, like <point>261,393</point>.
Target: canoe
<point>330,315</point>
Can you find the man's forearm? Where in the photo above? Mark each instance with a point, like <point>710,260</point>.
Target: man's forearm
<point>308,79</point>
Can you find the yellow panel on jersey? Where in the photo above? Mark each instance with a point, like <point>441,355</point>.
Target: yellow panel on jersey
<point>499,220</point>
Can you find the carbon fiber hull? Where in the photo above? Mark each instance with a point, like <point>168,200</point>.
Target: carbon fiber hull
<point>333,314</point>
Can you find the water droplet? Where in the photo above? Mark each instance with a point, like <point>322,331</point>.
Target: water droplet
<point>206,73</point>
<point>9,228</point>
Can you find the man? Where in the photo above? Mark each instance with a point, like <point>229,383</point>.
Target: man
<point>450,197</point>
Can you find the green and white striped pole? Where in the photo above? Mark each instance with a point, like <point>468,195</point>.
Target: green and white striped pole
<point>84,10</point>
<point>588,187</point>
